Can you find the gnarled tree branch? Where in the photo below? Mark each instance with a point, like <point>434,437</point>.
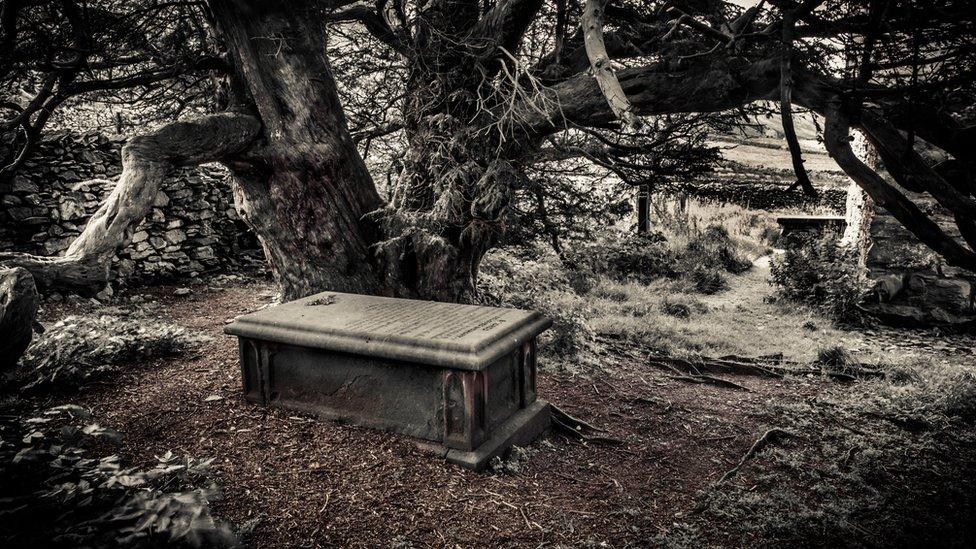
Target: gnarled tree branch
<point>909,169</point>
<point>146,159</point>
<point>786,108</point>
<point>837,140</point>
<point>600,64</point>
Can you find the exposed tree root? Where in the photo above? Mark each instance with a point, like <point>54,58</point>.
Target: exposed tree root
<point>717,381</point>
<point>757,366</point>
<point>577,428</point>
<point>771,436</point>
<point>772,366</point>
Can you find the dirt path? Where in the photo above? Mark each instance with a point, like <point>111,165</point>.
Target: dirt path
<point>748,320</point>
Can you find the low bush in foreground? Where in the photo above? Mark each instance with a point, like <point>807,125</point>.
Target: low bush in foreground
<point>81,348</point>
<point>58,491</point>
<point>928,395</point>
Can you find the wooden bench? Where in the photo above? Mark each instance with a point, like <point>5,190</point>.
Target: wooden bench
<point>810,224</point>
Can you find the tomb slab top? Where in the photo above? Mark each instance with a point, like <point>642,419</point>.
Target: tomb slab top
<point>443,334</point>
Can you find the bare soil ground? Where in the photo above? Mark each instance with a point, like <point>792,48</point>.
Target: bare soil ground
<point>296,481</point>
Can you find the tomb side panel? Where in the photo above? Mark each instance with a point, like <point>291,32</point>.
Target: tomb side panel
<point>254,368</point>
<point>372,392</point>
<point>527,365</point>
<point>465,419</point>
<point>502,396</point>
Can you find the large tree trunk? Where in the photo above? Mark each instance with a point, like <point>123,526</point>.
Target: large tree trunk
<point>306,191</point>
<point>447,207</point>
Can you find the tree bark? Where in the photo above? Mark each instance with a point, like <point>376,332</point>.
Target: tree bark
<point>306,192</point>
<point>909,169</point>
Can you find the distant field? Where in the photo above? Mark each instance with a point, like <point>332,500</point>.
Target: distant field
<point>767,152</point>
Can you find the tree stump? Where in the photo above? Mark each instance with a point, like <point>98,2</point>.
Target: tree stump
<point>19,301</point>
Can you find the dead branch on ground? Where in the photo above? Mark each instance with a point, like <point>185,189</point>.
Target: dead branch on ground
<point>771,436</point>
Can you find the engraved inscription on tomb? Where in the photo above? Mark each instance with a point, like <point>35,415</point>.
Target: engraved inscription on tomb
<point>428,320</point>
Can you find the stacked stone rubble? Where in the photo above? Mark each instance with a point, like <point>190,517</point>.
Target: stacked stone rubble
<point>192,229</point>
<point>912,285</point>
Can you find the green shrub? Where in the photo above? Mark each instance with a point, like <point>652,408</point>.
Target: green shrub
<point>708,280</point>
<point>818,272</point>
<point>80,348</point>
<point>57,494</point>
<point>714,250</point>
<point>642,258</point>
<point>623,256</point>
<point>537,282</point>
<point>581,280</point>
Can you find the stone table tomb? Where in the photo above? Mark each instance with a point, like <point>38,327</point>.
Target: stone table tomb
<point>461,376</point>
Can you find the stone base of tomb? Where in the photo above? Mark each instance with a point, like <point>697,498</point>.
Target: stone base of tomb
<point>519,430</point>
<point>471,415</point>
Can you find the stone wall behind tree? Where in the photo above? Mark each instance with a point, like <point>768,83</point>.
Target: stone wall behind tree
<point>192,229</point>
<point>913,285</point>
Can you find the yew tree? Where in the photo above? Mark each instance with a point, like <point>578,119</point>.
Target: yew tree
<point>474,95</point>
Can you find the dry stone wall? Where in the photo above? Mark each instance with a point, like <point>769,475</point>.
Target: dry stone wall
<point>912,284</point>
<point>193,228</point>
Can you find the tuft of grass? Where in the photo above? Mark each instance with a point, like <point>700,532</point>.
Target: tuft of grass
<point>680,306</point>
<point>708,280</point>
<point>715,249</point>
<point>611,293</point>
<point>900,373</point>
<point>675,308</point>
<point>835,358</point>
